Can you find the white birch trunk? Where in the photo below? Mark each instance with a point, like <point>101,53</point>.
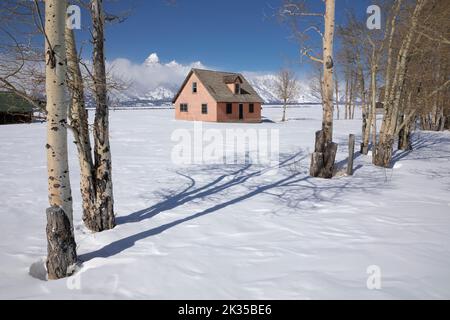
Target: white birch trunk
<point>346,97</point>
<point>284,111</point>
<point>373,120</point>
<point>57,106</point>
<point>367,116</point>
<point>78,117</point>
<point>323,159</point>
<point>336,85</point>
<point>60,236</point>
<point>328,68</point>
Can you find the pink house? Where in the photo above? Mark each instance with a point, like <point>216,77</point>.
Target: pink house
<point>213,96</point>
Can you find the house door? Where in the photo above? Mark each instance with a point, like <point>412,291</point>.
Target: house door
<point>241,112</point>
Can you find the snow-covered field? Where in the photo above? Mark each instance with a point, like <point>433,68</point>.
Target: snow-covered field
<point>233,232</point>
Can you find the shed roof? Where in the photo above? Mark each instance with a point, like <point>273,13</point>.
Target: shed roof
<point>12,103</point>
<point>216,84</point>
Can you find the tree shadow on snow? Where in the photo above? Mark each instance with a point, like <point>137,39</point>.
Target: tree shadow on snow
<point>430,144</point>
<point>295,189</point>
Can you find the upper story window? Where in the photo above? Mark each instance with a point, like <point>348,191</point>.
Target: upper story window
<point>194,87</point>
<point>184,107</point>
<point>237,88</point>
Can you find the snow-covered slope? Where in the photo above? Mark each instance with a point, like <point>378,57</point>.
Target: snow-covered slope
<point>265,86</point>
<point>234,232</point>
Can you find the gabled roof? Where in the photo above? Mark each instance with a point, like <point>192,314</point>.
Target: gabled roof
<point>216,84</point>
<point>232,79</point>
<point>12,103</point>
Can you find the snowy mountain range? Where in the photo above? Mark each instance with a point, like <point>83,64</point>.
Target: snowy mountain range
<point>155,83</point>
<point>264,86</point>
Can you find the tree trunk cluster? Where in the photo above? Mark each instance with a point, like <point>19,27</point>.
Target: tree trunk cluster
<point>96,169</point>
<point>393,92</point>
<point>62,72</point>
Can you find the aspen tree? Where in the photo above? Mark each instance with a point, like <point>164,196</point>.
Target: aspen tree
<point>60,235</point>
<point>286,88</point>
<point>322,160</point>
<point>103,218</point>
<point>78,117</point>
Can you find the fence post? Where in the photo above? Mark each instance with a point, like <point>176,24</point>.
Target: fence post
<point>351,153</point>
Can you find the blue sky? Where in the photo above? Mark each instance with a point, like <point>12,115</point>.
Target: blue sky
<point>242,35</point>
<point>236,35</point>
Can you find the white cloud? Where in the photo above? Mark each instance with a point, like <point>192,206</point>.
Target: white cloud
<point>152,73</point>
<point>152,60</point>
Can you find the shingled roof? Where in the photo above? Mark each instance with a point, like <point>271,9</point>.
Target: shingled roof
<point>216,84</point>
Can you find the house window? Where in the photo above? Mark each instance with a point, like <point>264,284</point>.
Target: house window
<point>194,87</point>
<point>204,109</point>
<point>183,107</point>
<point>237,88</point>
<point>251,108</point>
<point>229,108</point>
